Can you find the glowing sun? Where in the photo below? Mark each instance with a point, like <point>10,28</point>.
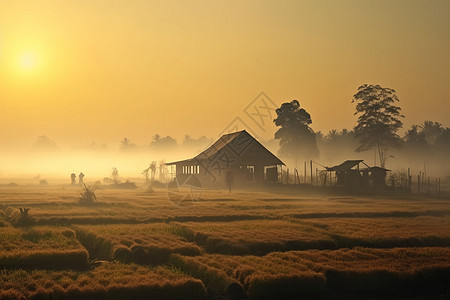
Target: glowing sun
<point>28,61</point>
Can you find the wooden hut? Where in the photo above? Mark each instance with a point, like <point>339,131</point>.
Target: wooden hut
<point>350,174</point>
<point>237,156</point>
<point>347,173</point>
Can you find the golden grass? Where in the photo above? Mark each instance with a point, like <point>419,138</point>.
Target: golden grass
<point>189,244</point>
<point>385,232</point>
<point>41,247</point>
<point>317,270</point>
<point>108,280</point>
<point>143,243</point>
<point>59,205</point>
<point>37,238</point>
<point>256,237</point>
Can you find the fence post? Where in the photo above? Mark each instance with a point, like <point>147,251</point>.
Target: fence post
<point>418,183</point>
<point>439,190</point>
<point>317,179</point>
<point>305,174</point>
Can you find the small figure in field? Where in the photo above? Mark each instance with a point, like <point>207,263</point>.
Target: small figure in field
<point>73,178</point>
<point>115,175</point>
<point>229,180</point>
<point>80,179</point>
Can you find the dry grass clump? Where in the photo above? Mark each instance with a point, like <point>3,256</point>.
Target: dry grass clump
<point>255,237</point>
<point>215,279</point>
<point>261,277</point>
<point>17,216</point>
<point>110,281</point>
<point>139,243</point>
<point>97,246</point>
<point>37,238</point>
<point>41,247</point>
<point>88,195</point>
<point>386,232</point>
<point>293,273</point>
<point>377,269</point>
<point>50,259</point>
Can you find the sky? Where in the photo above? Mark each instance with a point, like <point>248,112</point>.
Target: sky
<point>100,70</point>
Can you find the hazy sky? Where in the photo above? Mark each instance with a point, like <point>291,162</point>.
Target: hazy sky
<point>83,71</point>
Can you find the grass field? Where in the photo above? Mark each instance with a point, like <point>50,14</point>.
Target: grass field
<point>280,244</point>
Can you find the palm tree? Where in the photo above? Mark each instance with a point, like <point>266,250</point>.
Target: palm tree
<point>431,130</point>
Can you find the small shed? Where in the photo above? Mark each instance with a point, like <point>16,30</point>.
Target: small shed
<point>347,173</point>
<point>351,174</point>
<point>375,176</point>
<point>237,156</point>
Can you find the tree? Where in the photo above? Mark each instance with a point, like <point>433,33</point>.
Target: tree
<point>202,141</point>
<point>378,121</point>
<point>297,139</point>
<point>156,138</point>
<point>415,136</point>
<point>163,143</point>
<point>337,145</point>
<point>151,168</point>
<point>415,145</point>
<point>44,145</point>
<point>443,141</point>
<point>431,130</point>
<point>127,146</point>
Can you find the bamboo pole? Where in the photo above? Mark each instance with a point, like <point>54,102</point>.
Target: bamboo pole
<point>439,184</point>
<point>409,180</point>
<point>317,179</point>
<point>436,185</point>
<point>304,178</point>
<point>418,183</point>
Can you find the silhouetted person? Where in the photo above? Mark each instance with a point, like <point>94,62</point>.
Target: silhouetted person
<point>73,178</point>
<point>229,180</point>
<point>80,178</point>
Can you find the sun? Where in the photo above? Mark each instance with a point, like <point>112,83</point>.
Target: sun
<point>28,61</point>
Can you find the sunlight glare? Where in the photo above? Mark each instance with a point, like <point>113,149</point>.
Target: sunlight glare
<point>28,61</point>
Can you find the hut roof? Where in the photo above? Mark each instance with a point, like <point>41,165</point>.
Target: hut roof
<point>375,168</point>
<point>345,166</point>
<point>238,144</point>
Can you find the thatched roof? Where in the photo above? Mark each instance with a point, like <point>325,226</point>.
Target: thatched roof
<point>345,166</point>
<point>238,146</point>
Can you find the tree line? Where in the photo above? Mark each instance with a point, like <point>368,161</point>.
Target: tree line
<point>379,121</point>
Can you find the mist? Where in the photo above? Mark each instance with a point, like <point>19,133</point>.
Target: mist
<point>421,151</point>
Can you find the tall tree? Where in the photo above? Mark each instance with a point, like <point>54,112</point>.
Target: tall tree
<point>378,121</point>
<point>431,130</point>
<point>126,146</point>
<point>415,145</point>
<point>297,139</point>
<point>44,145</point>
<point>163,143</point>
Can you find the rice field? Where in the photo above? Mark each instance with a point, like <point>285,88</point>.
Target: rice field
<point>270,244</point>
